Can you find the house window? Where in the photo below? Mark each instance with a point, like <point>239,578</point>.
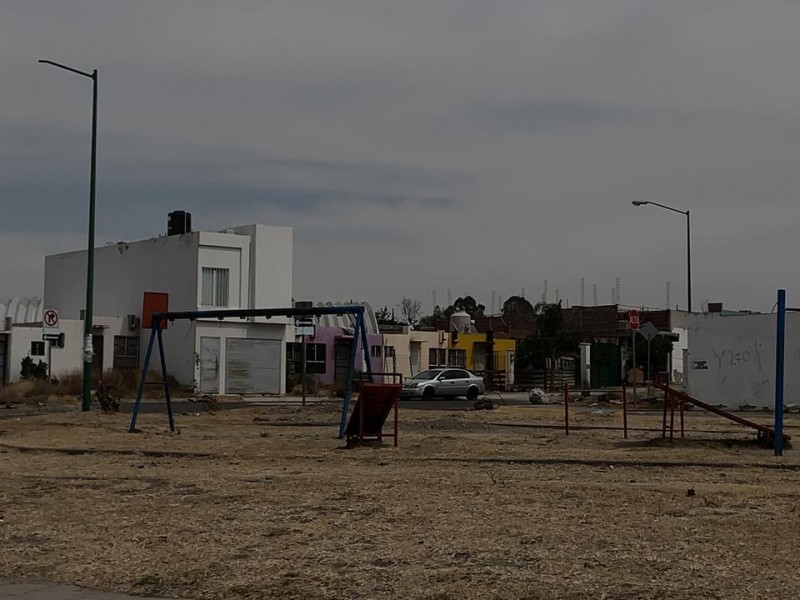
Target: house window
<point>215,287</point>
<point>437,357</point>
<point>315,358</point>
<point>126,352</point>
<point>457,358</point>
<point>375,351</point>
<point>37,348</point>
<point>388,351</point>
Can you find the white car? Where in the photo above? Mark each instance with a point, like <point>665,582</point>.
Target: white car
<point>443,382</point>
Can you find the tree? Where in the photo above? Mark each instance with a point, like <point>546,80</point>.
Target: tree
<point>517,306</point>
<point>411,310</point>
<point>384,316</point>
<point>468,304</point>
<point>549,319</point>
<point>432,319</point>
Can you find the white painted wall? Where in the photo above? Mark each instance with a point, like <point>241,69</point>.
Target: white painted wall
<point>69,358</point>
<point>271,260</point>
<point>739,356</point>
<point>259,258</point>
<point>123,272</point>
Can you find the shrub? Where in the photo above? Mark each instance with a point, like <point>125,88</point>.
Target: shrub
<point>31,370</point>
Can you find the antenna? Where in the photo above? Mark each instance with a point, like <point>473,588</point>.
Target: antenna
<point>522,293</point>
<point>669,285</point>
<point>617,291</point>
<point>594,293</point>
<point>583,291</point>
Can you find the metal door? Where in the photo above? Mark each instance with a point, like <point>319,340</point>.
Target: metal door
<point>252,366</point>
<point>415,357</point>
<point>97,359</point>
<point>341,359</point>
<point>209,365</point>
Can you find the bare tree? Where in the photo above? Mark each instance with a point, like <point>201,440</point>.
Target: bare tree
<point>411,310</point>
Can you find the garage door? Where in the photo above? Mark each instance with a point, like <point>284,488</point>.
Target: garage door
<point>252,366</point>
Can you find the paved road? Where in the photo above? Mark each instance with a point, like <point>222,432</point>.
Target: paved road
<point>57,591</point>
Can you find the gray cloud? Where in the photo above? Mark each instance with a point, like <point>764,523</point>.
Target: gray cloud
<point>470,145</point>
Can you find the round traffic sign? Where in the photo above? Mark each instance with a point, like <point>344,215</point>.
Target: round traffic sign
<point>50,318</point>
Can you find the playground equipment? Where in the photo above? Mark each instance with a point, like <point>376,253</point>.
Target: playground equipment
<point>159,320</point>
<point>676,399</point>
<point>375,402</point>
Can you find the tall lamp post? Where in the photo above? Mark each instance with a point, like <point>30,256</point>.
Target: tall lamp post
<point>688,246</point>
<point>88,352</point>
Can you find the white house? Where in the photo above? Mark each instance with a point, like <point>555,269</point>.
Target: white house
<point>242,267</point>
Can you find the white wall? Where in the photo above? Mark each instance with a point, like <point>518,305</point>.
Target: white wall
<point>259,258</point>
<point>271,261</point>
<point>69,358</point>
<point>123,272</point>
<point>738,353</point>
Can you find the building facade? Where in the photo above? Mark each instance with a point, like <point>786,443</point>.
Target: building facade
<point>239,268</point>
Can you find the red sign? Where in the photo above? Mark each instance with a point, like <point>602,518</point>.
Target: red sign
<point>633,319</point>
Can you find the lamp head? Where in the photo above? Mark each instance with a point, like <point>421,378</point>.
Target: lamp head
<point>640,202</point>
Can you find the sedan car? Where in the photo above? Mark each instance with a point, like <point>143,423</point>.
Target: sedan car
<point>443,382</point>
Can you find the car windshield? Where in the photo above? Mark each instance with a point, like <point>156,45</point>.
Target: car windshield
<point>426,375</point>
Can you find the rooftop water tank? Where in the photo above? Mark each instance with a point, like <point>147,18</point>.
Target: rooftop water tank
<point>460,321</point>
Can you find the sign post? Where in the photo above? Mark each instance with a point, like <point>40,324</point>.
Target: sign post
<point>649,331</point>
<point>633,325</point>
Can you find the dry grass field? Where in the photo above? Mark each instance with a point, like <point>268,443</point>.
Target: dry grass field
<point>264,503</point>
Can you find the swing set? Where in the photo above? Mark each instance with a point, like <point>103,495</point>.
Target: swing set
<point>159,321</point>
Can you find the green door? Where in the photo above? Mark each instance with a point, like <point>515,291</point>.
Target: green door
<point>606,365</point>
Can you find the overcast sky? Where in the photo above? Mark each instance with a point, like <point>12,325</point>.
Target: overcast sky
<point>418,145</point>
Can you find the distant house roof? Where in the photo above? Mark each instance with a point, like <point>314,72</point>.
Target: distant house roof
<point>21,310</point>
<point>348,321</point>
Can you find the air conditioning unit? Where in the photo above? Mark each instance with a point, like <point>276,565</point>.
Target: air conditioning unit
<point>133,323</point>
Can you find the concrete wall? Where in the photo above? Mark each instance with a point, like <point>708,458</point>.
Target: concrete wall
<point>271,260</point>
<point>731,359</point>
<point>123,272</point>
<point>402,343</point>
<point>259,258</point>
<point>68,359</point>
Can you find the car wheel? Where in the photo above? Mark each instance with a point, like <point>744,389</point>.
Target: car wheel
<point>427,393</point>
<point>472,394</point>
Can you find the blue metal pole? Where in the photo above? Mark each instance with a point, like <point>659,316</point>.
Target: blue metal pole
<point>779,371</point>
<point>165,381</point>
<point>140,390</point>
<point>348,390</point>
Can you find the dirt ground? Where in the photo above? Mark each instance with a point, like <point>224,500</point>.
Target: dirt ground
<point>264,503</point>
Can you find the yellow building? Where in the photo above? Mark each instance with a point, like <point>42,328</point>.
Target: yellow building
<point>408,352</point>
<point>471,351</point>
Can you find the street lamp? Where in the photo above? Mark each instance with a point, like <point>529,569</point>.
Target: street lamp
<point>688,246</point>
<point>87,318</point>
